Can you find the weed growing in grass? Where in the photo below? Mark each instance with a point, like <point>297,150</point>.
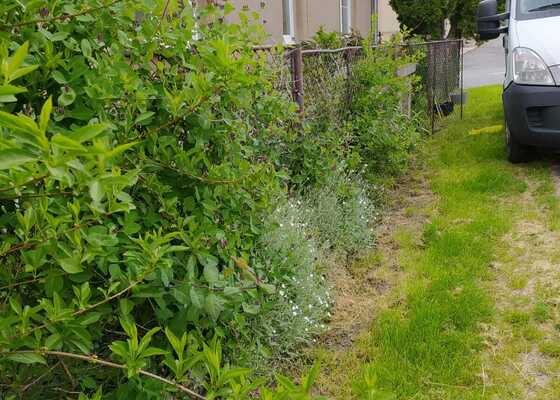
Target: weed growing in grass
<point>541,312</point>
<point>365,387</point>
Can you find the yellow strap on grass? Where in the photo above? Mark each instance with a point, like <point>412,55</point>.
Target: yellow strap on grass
<point>488,130</point>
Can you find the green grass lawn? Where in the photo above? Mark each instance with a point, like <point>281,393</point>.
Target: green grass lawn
<point>429,345</point>
<point>428,348</point>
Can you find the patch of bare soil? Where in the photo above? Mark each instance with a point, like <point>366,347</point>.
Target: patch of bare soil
<point>526,286</point>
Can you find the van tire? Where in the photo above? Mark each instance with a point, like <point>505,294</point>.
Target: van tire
<point>516,152</point>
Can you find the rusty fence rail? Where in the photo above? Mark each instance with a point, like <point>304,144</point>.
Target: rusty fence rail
<point>320,80</point>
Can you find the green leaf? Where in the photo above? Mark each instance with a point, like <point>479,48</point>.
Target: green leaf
<point>120,348</point>
<point>197,298</point>
<point>144,117</point>
<point>12,158</point>
<point>45,115</point>
<point>59,77</point>
<point>71,265</point>
<point>286,383</point>
<point>96,191</point>
<point>64,142</point>
<point>86,48</point>
<point>252,309</point>
<point>231,291</point>
<point>90,318</point>
<point>214,305</point>
<point>8,99</point>
<point>267,288</point>
<point>27,358</point>
<point>67,97</point>
<point>154,351</point>
<point>88,132</point>
<point>58,36</point>
<point>129,326</point>
<point>211,273</point>
<point>54,341</point>
<point>20,122</point>
<point>23,71</point>
<point>99,236</point>
<point>120,149</point>
<point>15,304</point>
<point>24,128</point>
<point>17,59</point>
<point>125,306</point>
<point>10,89</point>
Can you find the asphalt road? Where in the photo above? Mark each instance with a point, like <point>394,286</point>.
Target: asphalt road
<point>485,65</point>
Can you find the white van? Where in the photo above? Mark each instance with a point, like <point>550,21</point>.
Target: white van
<point>532,82</point>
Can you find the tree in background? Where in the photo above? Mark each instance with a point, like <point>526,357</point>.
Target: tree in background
<point>462,16</point>
<point>427,17</point>
<point>423,17</point>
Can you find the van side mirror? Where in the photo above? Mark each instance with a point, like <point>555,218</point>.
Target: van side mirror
<point>488,20</point>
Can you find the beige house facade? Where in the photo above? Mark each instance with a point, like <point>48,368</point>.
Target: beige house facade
<point>292,21</point>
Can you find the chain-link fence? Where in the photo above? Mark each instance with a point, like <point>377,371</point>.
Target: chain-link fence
<point>321,80</point>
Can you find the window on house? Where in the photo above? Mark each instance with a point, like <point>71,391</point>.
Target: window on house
<point>346,16</point>
<point>289,23</point>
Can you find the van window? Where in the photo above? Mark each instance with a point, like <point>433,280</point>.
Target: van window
<point>532,9</point>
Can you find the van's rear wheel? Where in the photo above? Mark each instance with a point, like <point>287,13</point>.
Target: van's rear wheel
<point>517,152</point>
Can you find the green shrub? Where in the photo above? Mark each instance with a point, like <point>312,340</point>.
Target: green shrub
<point>342,212</point>
<point>132,202</point>
<point>306,234</point>
<point>383,135</point>
<point>298,309</point>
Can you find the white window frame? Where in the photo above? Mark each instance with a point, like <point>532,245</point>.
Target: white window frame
<point>196,30</point>
<point>345,17</point>
<point>289,22</point>
<point>375,24</point>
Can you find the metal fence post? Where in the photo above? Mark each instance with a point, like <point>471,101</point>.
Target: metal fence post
<point>297,77</point>
<point>461,72</point>
<point>346,55</point>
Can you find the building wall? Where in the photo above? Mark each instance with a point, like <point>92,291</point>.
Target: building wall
<point>310,15</point>
<point>388,22</point>
<point>316,13</point>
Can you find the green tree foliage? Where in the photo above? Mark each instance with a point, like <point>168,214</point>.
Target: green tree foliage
<point>427,17</point>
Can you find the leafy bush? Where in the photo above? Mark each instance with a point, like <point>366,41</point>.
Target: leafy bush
<point>297,311</point>
<point>133,201</point>
<point>306,236</point>
<point>428,17</point>
<point>327,40</point>
<point>342,211</point>
<point>383,136</point>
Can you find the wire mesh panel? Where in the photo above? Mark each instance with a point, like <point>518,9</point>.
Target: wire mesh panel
<point>279,61</point>
<point>325,75</point>
<point>440,69</point>
<point>320,80</point>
